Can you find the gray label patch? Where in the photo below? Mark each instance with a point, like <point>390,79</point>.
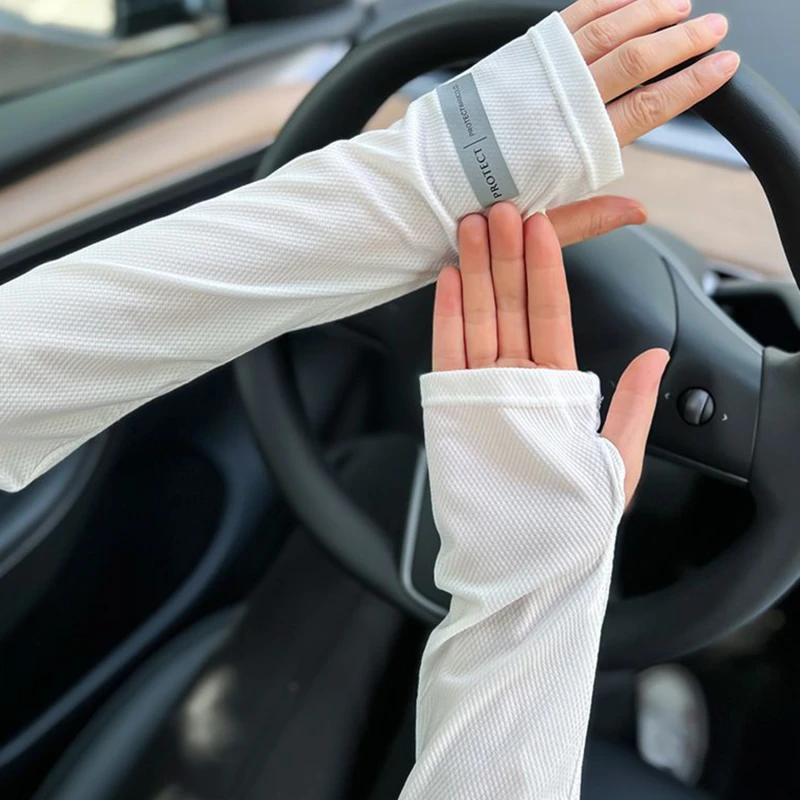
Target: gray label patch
<point>484,165</point>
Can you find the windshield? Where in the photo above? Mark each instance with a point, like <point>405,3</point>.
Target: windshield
<point>48,41</point>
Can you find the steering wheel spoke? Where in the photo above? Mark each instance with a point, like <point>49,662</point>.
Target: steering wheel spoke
<point>707,414</point>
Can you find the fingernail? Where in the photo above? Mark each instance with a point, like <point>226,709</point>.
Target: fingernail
<point>682,5</point>
<point>717,23</point>
<point>635,215</point>
<point>725,63</point>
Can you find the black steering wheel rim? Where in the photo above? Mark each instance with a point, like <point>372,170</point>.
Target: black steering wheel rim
<point>639,631</point>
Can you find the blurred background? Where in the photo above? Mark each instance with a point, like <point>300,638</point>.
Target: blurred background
<point>45,41</point>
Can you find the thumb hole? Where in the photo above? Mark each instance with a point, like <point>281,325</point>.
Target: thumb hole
<point>630,414</point>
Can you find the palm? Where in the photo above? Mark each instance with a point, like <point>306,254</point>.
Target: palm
<point>508,306</point>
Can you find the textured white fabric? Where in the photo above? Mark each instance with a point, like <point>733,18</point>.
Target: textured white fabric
<point>527,498</point>
<point>92,336</point>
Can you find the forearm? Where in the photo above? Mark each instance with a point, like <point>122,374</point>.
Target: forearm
<point>527,499</point>
<point>87,339</point>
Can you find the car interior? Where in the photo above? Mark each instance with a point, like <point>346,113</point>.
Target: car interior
<point>226,595</point>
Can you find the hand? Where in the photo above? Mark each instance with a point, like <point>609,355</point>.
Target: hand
<point>630,42</point>
<point>509,306</point>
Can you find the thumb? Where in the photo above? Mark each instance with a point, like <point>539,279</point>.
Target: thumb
<point>594,217</point>
<point>631,413</point>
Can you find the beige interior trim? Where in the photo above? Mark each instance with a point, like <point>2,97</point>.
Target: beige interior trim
<point>142,158</point>
<point>720,210</point>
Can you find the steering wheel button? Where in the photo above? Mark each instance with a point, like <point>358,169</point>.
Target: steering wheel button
<point>696,406</point>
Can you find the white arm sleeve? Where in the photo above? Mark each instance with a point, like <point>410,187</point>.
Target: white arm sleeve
<point>527,498</point>
<point>88,338</point>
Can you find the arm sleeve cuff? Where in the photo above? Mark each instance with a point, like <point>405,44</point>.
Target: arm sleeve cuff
<point>511,387</point>
<point>547,116</point>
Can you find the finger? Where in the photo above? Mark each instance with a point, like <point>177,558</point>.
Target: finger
<point>643,59</point>
<point>585,11</point>
<point>604,35</point>
<point>480,320</point>
<point>549,316</point>
<point>591,218</point>
<point>631,412</point>
<point>449,351</point>
<point>651,106</point>
<point>508,274</point>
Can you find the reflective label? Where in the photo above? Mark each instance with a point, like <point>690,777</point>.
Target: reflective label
<point>484,165</point>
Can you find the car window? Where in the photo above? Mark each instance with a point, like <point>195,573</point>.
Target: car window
<point>43,42</point>
<point>765,33</point>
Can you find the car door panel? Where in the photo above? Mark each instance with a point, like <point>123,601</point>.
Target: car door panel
<point>38,526</point>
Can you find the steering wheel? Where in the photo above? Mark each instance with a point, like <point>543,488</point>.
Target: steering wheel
<point>727,405</point>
